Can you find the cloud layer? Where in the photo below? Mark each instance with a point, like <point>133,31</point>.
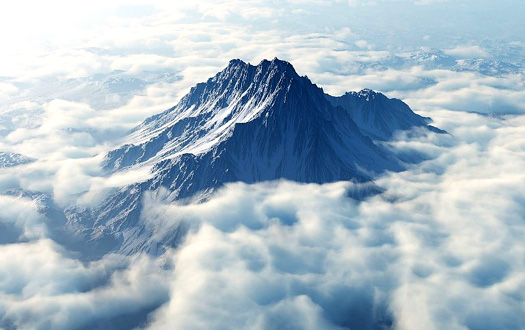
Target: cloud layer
<point>444,232</point>
<point>283,254</point>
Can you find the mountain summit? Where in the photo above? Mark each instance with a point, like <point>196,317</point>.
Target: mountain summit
<point>250,124</point>
<point>254,123</point>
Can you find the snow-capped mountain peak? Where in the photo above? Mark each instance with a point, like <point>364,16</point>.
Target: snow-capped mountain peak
<point>208,113</point>
<point>249,124</point>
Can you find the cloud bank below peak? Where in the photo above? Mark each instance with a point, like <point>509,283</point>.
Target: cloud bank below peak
<point>308,255</point>
<point>281,253</point>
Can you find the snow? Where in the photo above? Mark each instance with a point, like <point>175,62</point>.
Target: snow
<point>10,159</point>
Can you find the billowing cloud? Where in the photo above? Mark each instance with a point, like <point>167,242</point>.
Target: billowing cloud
<point>445,231</point>
<point>42,287</point>
<point>304,255</point>
<point>20,220</point>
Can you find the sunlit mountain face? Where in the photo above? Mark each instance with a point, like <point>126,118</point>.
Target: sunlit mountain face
<point>262,165</point>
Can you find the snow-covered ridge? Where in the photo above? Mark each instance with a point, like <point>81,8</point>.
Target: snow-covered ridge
<point>246,124</point>
<point>239,94</point>
<point>207,114</point>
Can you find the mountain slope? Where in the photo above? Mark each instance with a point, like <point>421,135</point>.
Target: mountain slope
<point>249,124</point>
<point>378,116</point>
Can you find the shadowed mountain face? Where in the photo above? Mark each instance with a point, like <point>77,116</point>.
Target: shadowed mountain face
<point>266,122</point>
<point>378,116</point>
<point>249,124</point>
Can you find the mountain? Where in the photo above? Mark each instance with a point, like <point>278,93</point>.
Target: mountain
<point>265,122</point>
<point>250,124</point>
<point>10,159</point>
<point>378,116</point>
<point>432,59</point>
